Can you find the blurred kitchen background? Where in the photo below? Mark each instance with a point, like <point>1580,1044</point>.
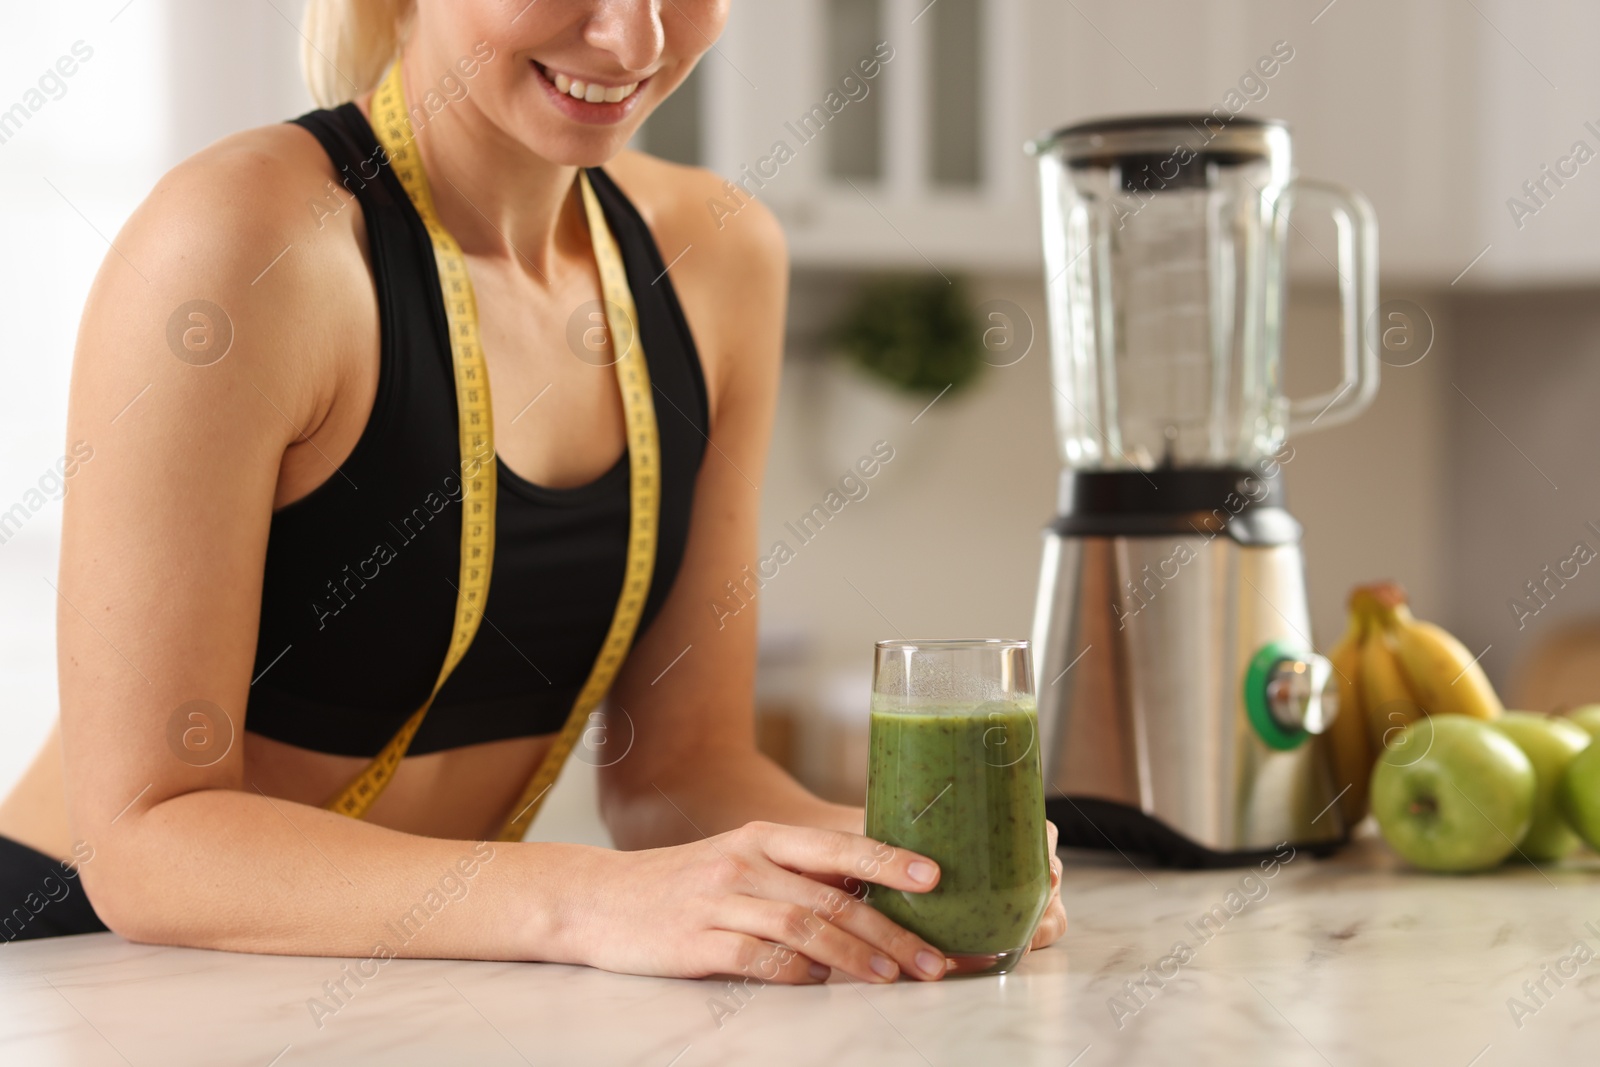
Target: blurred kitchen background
<point>1473,471</point>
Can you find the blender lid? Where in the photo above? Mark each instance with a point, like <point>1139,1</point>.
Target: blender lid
<point>1109,141</point>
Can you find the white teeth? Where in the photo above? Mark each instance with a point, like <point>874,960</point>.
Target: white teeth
<point>593,94</point>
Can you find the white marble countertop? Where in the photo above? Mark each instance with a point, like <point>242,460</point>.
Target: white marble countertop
<point>1352,960</point>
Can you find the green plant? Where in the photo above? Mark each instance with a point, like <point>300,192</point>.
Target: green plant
<point>914,332</point>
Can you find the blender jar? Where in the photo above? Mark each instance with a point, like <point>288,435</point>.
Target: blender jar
<point>1164,244</point>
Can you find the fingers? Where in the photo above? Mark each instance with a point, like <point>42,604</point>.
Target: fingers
<point>812,850</point>
<point>800,930</point>
<point>1051,927</point>
<point>746,957</point>
<point>1053,924</point>
<point>1055,835</point>
<point>879,948</point>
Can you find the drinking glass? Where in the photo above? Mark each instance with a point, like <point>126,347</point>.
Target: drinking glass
<point>954,775</point>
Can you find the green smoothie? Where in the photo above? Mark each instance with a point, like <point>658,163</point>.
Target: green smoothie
<point>961,784</point>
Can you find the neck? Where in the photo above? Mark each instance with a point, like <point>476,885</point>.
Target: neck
<point>498,199</point>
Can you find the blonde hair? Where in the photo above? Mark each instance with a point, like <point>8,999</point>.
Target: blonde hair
<point>349,44</point>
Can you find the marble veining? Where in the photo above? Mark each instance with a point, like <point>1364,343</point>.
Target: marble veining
<point>1351,960</point>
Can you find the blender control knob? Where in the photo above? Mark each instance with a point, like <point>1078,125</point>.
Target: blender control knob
<point>1290,694</point>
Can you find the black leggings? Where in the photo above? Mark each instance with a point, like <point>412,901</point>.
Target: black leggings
<point>40,896</point>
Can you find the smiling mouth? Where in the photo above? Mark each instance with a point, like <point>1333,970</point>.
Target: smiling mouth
<point>588,92</point>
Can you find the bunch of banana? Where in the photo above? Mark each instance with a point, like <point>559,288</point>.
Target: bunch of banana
<point>1393,668</point>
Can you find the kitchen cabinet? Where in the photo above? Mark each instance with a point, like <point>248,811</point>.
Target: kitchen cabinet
<point>1438,110</point>
<point>874,129</point>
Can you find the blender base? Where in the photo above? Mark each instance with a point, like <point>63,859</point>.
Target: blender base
<point>1095,823</point>
<point>1152,694</point>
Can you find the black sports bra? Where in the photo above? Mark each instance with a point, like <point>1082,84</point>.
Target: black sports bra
<point>359,593</point>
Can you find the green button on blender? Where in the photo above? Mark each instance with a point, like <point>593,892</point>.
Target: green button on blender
<point>1281,686</point>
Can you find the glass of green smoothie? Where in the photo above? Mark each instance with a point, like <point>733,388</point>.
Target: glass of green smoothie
<point>954,774</point>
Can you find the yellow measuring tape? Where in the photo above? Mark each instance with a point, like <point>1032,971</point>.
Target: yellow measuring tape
<point>392,124</point>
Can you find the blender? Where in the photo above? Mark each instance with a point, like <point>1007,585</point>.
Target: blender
<point>1181,699</point>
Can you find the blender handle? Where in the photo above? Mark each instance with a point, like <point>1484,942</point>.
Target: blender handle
<point>1358,299</point>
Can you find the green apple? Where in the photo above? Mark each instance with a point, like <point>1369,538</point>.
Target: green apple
<point>1549,743</point>
<point>1579,795</point>
<point>1588,717</point>
<point>1452,793</point>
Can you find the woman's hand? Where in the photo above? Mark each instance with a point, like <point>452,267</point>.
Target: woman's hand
<point>1054,921</point>
<point>718,905</point>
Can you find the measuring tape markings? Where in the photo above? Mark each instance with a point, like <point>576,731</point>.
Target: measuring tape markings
<point>476,432</point>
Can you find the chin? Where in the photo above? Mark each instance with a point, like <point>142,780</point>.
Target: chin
<point>565,149</point>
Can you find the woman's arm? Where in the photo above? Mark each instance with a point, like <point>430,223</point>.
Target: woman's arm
<point>164,538</point>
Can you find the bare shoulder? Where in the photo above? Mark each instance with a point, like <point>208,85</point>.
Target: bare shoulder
<point>225,205</point>
<point>728,260</point>
<point>253,230</point>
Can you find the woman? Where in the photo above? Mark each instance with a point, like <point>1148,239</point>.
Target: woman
<point>266,546</point>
